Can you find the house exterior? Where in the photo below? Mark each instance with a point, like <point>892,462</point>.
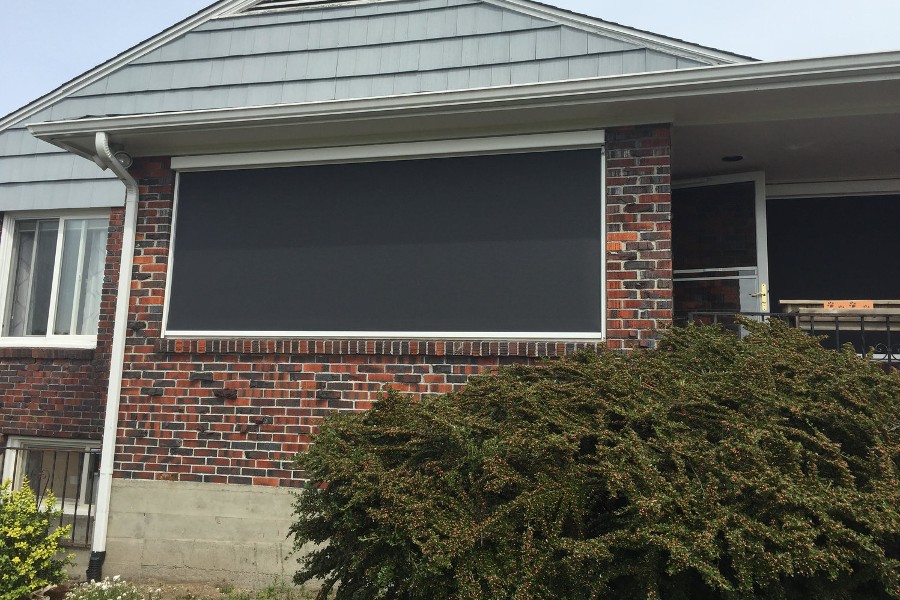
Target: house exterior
<point>277,208</point>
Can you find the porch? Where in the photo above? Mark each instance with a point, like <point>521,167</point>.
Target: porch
<point>867,332</point>
<point>792,216</point>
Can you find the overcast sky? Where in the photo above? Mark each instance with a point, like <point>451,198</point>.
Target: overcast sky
<point>45,43</point>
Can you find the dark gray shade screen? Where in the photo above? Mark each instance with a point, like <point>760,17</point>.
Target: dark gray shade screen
<point>834,248</point>
<point>501,243</point>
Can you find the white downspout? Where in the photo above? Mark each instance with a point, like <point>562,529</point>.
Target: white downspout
<point>106,159</point>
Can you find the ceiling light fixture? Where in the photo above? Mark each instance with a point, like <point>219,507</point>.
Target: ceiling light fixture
<point>124,158</point>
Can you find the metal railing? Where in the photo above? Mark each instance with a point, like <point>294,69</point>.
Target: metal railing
<point>71,476</point>
<point>878,333</point>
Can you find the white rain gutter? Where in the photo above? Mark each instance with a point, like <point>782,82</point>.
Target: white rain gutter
<point>106,159</point>
<point>664,85</point>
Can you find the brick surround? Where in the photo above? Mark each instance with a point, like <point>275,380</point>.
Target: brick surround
<point>639,241</point>
<point>60,393</point>
<point>236,410</point>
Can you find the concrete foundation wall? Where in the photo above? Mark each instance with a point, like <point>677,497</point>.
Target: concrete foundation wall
<point>190,532</point>
<point>80,557</point>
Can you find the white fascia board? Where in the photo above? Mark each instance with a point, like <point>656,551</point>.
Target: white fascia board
<point>544,142</point>
<point>235,8</point>
<point>684,83</point>
<point>628,34</point>
<point>119,61</point>
<point>290,5</point>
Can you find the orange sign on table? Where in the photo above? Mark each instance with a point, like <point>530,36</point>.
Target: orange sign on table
<point>850,305</point>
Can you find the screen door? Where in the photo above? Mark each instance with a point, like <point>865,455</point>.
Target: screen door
<point>719,247</point>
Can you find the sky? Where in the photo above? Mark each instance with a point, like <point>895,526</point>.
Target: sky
<point>45,43</point>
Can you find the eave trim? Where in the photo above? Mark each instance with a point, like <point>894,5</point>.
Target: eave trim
<point>688,82</point>
<point>119,61</point>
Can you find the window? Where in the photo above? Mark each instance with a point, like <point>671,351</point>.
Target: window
<point>52,278</point>
<point>69,469</point>
<point>496,246</point>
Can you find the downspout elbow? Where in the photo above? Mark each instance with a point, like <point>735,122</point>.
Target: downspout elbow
<point>106,159</point>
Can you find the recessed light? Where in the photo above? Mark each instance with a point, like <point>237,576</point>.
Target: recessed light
<point>732,158</point>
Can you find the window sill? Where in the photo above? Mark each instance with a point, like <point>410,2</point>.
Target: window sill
<point>72,342</point>
<point>376,347</point>
<point>48,348</point>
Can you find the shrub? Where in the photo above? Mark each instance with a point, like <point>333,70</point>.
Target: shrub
<point>28,547</point>
<point>112,588</point>
<point>710,468</point>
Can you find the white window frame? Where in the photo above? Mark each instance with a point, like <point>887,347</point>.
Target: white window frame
<point>21,445</point>
<point>445,148</point>
<point>7,250</point>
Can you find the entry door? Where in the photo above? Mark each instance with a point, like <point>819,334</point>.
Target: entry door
<point>719,251</point>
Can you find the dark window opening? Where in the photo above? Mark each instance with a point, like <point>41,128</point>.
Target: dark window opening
<point>833,248</point>
<point>501,243</point>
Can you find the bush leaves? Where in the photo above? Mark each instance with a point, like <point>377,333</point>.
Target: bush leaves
<point>712,467</point>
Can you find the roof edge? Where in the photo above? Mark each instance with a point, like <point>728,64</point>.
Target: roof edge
<point>631,34</point>
<point>667,84</point>
<point>226,7</point>
<point>121,59</point>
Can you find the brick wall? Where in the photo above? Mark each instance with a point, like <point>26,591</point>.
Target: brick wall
<point>237,410</point>
<point>639,242</point>
<point>60,393</point>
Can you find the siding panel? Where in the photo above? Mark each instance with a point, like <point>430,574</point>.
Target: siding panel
<point>310,55</point>
<point>62,195</point>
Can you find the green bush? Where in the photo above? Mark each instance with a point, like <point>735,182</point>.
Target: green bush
<point>710,468</point>
<point>28,546</point>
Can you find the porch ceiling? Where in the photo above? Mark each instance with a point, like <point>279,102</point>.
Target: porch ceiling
<point>796,150</point>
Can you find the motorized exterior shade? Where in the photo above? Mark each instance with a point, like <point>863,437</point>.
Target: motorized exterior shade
<point>499,243</point>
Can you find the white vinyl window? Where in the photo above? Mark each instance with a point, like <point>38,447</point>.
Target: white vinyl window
<point>51,277</point>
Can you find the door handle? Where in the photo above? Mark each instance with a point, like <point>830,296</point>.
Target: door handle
<point>763,296</point>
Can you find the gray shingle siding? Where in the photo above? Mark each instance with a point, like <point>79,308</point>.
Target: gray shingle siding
<point>330,53</point>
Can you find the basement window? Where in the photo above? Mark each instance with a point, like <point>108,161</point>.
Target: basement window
<point>51,278</point>
<point>67,468</point>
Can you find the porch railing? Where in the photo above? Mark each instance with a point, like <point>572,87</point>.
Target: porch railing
<point>878,333</point>
<point>70,474</point>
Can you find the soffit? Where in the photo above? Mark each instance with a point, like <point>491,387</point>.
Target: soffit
<point>800,150</point>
